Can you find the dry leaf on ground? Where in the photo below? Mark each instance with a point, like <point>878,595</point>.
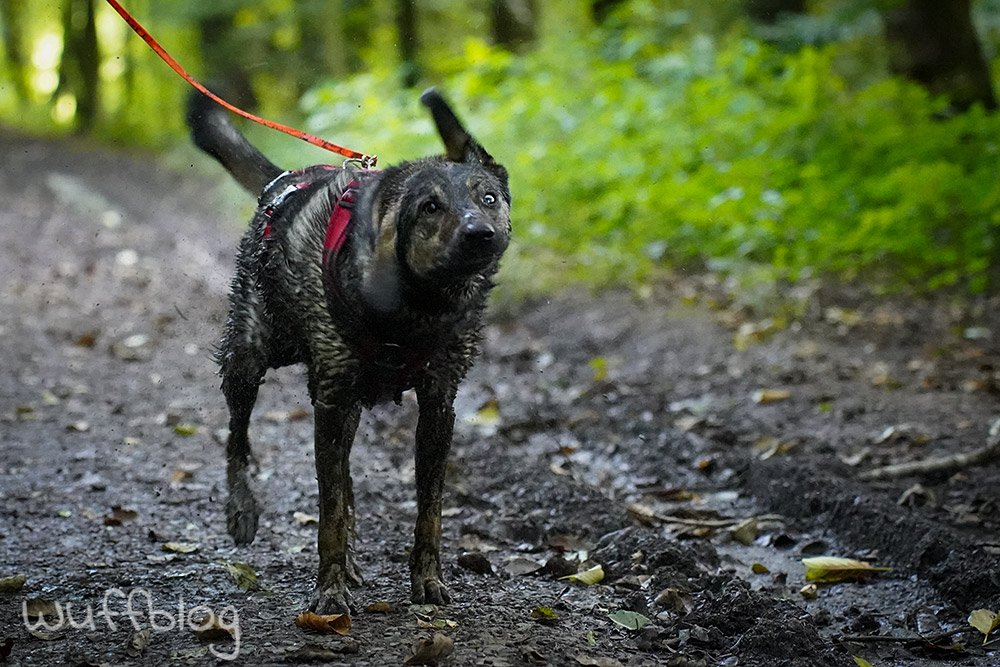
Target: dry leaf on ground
<point>427,651</point>
<point>591,576</point>
<point>329,624</point>
<point>830,569</point>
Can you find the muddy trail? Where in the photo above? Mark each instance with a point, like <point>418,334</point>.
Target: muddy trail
<point>695,455</point>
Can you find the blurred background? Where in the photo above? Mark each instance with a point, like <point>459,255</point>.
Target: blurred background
<point>770,142</point>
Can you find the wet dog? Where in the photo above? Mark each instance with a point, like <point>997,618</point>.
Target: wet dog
<point>377,282</point>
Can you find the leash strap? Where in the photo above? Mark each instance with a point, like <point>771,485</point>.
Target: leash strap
<point>367,161</point>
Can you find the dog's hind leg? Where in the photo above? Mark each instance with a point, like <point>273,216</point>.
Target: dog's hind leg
<point>434,430</point>
<point>243,362</point>
<point>241,506</point>
<point>335,428</point>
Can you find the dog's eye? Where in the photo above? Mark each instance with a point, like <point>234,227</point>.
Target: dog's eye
<point>429,207</point>
<point>489,199</point>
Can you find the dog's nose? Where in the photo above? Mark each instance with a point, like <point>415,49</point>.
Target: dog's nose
<point>478,231</point>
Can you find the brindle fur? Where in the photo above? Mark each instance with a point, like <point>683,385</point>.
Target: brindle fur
<point>411,281</point>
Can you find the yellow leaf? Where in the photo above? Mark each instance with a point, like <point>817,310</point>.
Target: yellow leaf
<point>985,621</point>
<point>771,395</point>
<point>181,547</point>
<point>303,518</point>
<point>759,568</point>
<point>339,623</point>
<point>591,576</point>
<point>861,661</point>
<point>830,569</point>
<point>185,429</point>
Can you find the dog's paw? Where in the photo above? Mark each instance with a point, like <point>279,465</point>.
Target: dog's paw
<point>332,600</point>
<point>241,515</point>
<point>429,590</point>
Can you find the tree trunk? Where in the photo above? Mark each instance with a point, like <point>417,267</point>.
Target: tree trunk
<point>769,11</point>
<point>78,68</point>
<point>223,73</point>
<point>406,29</point>
<point>934,42</point>
<point>513,23</point>
<point>12,24</point>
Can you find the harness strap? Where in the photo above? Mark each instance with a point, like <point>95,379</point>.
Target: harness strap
<point>340,218</point>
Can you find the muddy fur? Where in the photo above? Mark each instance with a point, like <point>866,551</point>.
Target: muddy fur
<point>398,306</point>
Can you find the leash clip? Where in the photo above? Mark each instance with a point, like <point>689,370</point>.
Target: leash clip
<point>364,162</point>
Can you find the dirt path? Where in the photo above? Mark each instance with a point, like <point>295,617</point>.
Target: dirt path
<point>585,420</point>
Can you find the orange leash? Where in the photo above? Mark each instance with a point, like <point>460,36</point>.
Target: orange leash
<point>367,161</point>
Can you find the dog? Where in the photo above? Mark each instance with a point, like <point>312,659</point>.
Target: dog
<point>377,281</point>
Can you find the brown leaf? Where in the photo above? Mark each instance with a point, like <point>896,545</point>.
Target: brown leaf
<point>327,624</point>
<point>428,651</point>
<point>119,516</point>
<point>36,607</point>
<point>475,562</point>
<point>380,608</point>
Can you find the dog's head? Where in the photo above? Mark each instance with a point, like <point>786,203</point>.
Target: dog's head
<point>444,222</point>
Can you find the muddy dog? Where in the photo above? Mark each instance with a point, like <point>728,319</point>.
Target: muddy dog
<point>377,282</point>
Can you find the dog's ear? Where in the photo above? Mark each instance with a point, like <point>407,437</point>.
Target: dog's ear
<point>459,145</point>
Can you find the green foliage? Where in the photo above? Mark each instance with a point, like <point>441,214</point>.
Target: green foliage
<point>650,148</point>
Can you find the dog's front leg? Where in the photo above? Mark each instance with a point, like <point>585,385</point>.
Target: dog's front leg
<point>434,430</point>
<point>335,428</point>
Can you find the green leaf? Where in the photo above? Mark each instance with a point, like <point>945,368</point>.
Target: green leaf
<point>861,661</point>
<point>185,429</point>
<point>242,574</point>
<point>631,620</point>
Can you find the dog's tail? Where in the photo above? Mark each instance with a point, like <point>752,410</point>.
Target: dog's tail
<point>215,134</point>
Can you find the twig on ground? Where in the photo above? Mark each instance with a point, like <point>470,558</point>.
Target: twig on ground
<point>889,639</point>
<point>712,523</point>
<point>951,463</point>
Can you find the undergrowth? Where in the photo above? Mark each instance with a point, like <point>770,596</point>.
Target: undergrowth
<point>651,149</point>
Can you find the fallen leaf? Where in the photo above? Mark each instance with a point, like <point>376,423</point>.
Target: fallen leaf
<point>12,584</point>
<point>65,513</point>
<point>78,426</point>
<point>589,661</point>
<point>328,624</point>
<point>672,598</point>
<point>600,367</point>
<point>861,662</point>
<point>985,621</point>
<point>746,532</point>
<point>40,607</point>
<point>544,615</point>
<point>242,574</point>
<point>185,429</point>
<point>137,641</point>
<point>488,414</point>
<point>590,638</point>
<point>303,518</point>
<point>427,651</point>
<point>589,577</point>
<point>521,566</point>
<point>831,569</point>
<point>380,608</point>
<point>763,396</point>
<point>630,620</point>
<point>181,547</point>
<point>759,568</point>
<point>475,562</point>
<point>809,591</point>
<point>119,515</point>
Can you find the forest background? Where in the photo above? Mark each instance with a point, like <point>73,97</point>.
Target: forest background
<point>768,142</point>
